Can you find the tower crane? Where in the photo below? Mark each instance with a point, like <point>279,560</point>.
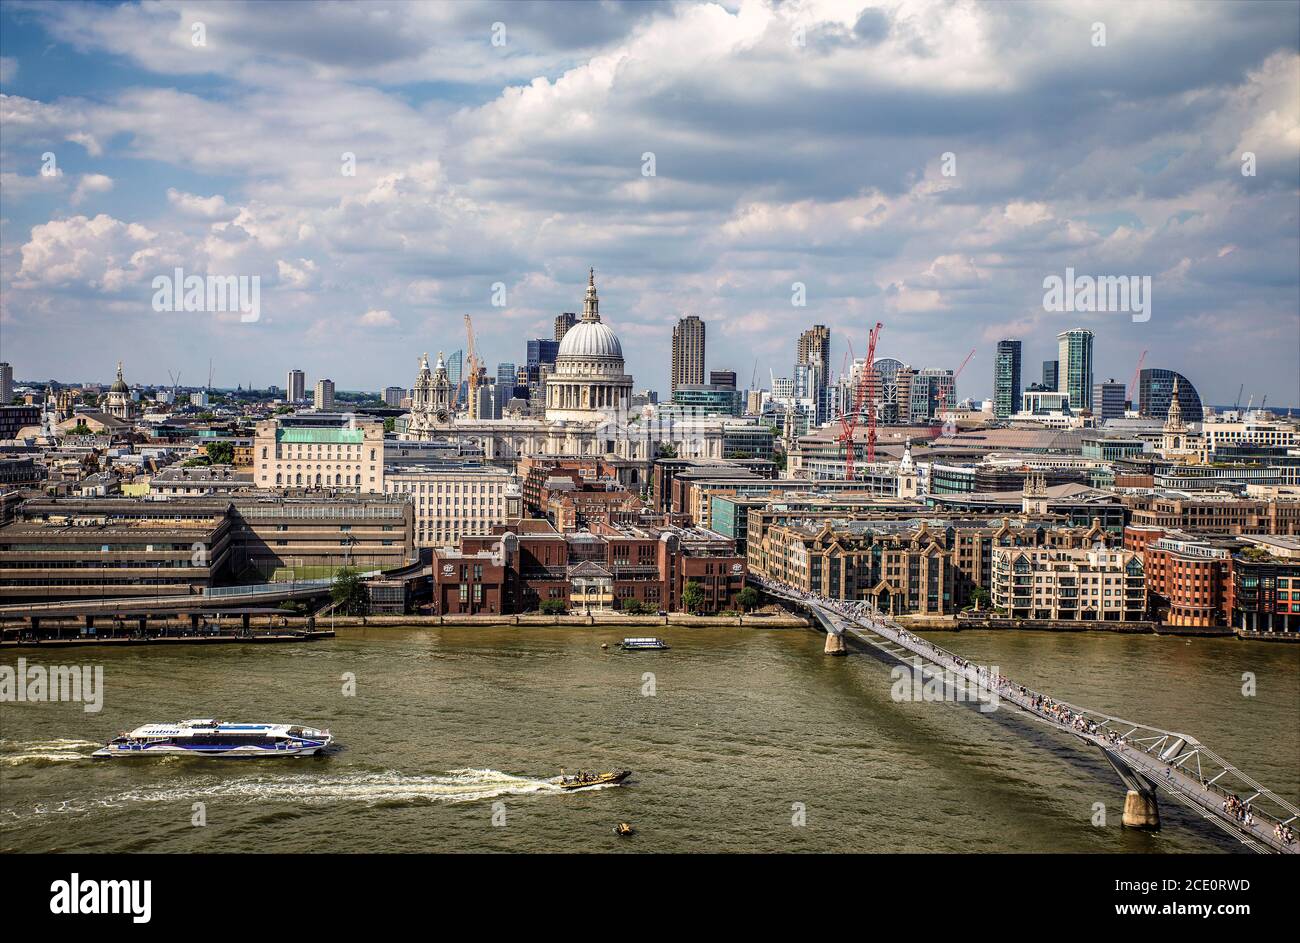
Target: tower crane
<point>472,364</point>
<point>943,393</point>
<point>1137,374</point>
<point>863,389</point>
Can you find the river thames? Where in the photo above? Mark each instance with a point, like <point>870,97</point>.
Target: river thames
<point>740,739</point>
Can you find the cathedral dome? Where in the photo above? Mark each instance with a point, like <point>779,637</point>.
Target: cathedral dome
<point>590,339</point>
<point>119,385</point>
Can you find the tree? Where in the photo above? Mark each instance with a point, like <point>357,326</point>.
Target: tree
<point>693,596</point>
<point>666,450</point>
<point>553,607</point>
<point>747,598</point>
<point>348,593</point>
<point>221,453</point>
<point>390,424</point>
<point>980,596</point>
<point>635,607</point>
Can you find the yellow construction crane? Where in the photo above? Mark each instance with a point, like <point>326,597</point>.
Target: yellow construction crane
<point>472,364</point>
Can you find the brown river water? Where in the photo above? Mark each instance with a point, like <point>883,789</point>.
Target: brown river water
<point>740,739</point>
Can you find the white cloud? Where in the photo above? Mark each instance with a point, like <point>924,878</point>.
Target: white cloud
<point>103,253</point>
<point>88,184</point>
<point>200,207</point>
<point>377,318</point>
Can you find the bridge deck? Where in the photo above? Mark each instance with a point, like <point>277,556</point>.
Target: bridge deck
<point>1166,759</point>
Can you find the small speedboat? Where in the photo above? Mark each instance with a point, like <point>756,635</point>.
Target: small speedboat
<point>623,829</point>
<point>643,645</point>
<point>583,780</point>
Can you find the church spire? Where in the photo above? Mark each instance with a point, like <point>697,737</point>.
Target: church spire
<point>591,306</point>
<point>1174,420</point>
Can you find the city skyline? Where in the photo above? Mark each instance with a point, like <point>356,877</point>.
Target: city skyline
<point>520,164</point>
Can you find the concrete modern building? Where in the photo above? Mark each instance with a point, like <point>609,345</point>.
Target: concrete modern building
<point>815,348</point>
<point>562,324</point>
<point>295,387</point>
<point>1109,398</point>
<point>454,500</point>
<point>6,384</point>
<point>688,353</point>
<point>707,400</point>
<point>393,396</point>
<point>324,399</point>
<point>1075,356</point>
<point>1006,378</point>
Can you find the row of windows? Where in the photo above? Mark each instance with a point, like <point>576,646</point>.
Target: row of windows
<point>320,481</point>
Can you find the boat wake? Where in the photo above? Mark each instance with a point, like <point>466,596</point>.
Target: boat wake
<point>22,752</point>
<point>372,789</point>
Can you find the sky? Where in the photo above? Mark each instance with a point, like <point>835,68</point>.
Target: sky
<point>922,164</point>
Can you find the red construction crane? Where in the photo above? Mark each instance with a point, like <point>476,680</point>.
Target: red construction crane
<point>865,387</point>
<point>1133,387</point>
<point>943,393</point>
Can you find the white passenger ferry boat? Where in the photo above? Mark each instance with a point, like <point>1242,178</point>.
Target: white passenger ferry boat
<point>213,738</point>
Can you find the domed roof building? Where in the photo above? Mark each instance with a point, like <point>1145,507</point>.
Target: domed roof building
<point>589,383</point>
<point>118,402</point>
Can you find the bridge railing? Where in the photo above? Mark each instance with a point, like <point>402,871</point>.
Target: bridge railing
<point>1158,747</point>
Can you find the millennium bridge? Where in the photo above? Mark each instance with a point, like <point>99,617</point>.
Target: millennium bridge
<point>1147,759</point>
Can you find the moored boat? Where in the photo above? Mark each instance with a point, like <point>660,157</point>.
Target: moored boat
<point>643,645</point>
<point>212,738</point>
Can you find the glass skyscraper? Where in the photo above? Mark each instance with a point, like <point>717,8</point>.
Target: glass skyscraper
<point>1006,379</point>
<point>1075,357</point>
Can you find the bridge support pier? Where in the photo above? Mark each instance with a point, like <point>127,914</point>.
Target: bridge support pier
<point>834,644</point>
<point>1141,810</point>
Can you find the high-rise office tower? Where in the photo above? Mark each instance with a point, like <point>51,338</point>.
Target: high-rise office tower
<point>815,347</point>
<point>393,396</point>
<point>1108,400</point>
<point>295,387</point>
<point>324,400</point>
<point>930,391</point>
<point>722,378</point>
<point>1075,378</point>
<point>6,384</point>
<point>1051,374</point>
<point>1006,379</point>
<point>562,324</point>
<point>688,352</point>
<point>541,352</point>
